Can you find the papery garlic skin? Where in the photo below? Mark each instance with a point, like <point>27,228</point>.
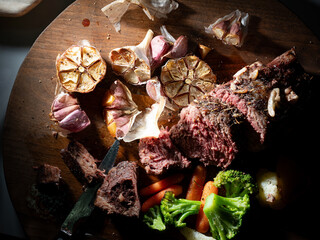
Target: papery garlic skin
<point>146,123</point>
<point>152,8</point>
<point>133,62</point>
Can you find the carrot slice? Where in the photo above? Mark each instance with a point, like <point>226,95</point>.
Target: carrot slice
<point>162,184</point>
<point>202,223</point>
<point>156,199</point>
<point>196,184</point>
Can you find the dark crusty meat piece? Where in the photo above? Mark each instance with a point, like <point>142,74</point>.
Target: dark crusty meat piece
<point>48,174</point>
<point>118,193</point>
<point>205,131</point>
<point>159,154</point>
<point>81,163</point>
<point>250,88</point>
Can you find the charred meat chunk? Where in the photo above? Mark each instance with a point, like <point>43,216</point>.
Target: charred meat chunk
<point>251,88</point>
<point>48,177</point>
<point>81,163</point>
<point>159,154</point>
<point>119,194</point>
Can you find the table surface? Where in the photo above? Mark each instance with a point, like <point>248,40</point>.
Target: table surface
<point>18,36</point>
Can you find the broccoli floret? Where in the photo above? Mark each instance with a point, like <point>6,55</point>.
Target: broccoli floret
<point>225,214</point>
<point>175,211</point>
<point>153,219</point>
<point>235,183</point>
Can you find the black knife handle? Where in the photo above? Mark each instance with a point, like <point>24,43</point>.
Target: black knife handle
<point>63,236</point>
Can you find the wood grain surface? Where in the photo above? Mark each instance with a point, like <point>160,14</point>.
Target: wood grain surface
<point>28,139</point>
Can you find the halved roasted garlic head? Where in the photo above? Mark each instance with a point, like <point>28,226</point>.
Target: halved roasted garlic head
<point>80,68</point>
<point>186,78</point>
<point>133,62</point>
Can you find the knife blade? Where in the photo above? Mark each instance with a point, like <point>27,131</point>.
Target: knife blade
<point>84,206</point>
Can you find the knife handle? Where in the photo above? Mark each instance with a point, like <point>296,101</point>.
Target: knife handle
<point>63,236</point>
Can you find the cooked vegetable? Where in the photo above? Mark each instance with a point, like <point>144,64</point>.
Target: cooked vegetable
<point>80,68</point>
<point>175,211</point>
<point>156,199</point>
<point>162,184</point>
<point>191,234</point>
<point>270,189</point>
<point>225,214</point>
<point>185,79</point>
<point>154,219</point>
<point>202,223</point>
<point>196,183</point>
<point>132,62</point>
<point>235,183</point>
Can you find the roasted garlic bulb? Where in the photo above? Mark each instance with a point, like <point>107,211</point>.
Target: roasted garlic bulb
<point>80,68</point>
<point>185,79</point>
<point>133,62</point>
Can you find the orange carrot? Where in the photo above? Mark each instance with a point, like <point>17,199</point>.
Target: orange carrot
<point>196,184</point>
<point>156,199</point>
<point>202,223</point>
<point>162,184</point>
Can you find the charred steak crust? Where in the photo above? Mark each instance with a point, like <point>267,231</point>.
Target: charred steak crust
<point>250,89</point>
<point>158,155</point>
<point>119,193</point>
<point>205,131</point>
<point>81,163</point>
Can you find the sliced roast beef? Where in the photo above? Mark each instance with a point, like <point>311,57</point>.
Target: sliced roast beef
<point>205,131</point>
<point>81,163</point>
<point>250,90</point>
<point>159,154</point>
<point>118,193</point>
<point>48,174</point>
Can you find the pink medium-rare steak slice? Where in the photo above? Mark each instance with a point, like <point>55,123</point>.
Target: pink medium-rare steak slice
<point>158,155</point>
<point>205,131</point>
<point>119,193</point>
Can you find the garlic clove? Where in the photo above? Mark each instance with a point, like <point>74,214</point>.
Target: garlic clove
<point>231,29</point>
<point>159,47</point>
<point>204,50</point>
<point>120,110</point>
<point>273,101</point>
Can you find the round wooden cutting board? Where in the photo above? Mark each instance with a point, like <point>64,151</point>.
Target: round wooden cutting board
<point>28,139</point>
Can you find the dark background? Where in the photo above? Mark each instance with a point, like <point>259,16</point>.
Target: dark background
<point>17,36</point>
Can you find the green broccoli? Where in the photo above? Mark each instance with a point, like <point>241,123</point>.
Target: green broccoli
<point>235,183</point>
<point>225,214</point>
<point>154,219</point>
<point>175,211</point>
